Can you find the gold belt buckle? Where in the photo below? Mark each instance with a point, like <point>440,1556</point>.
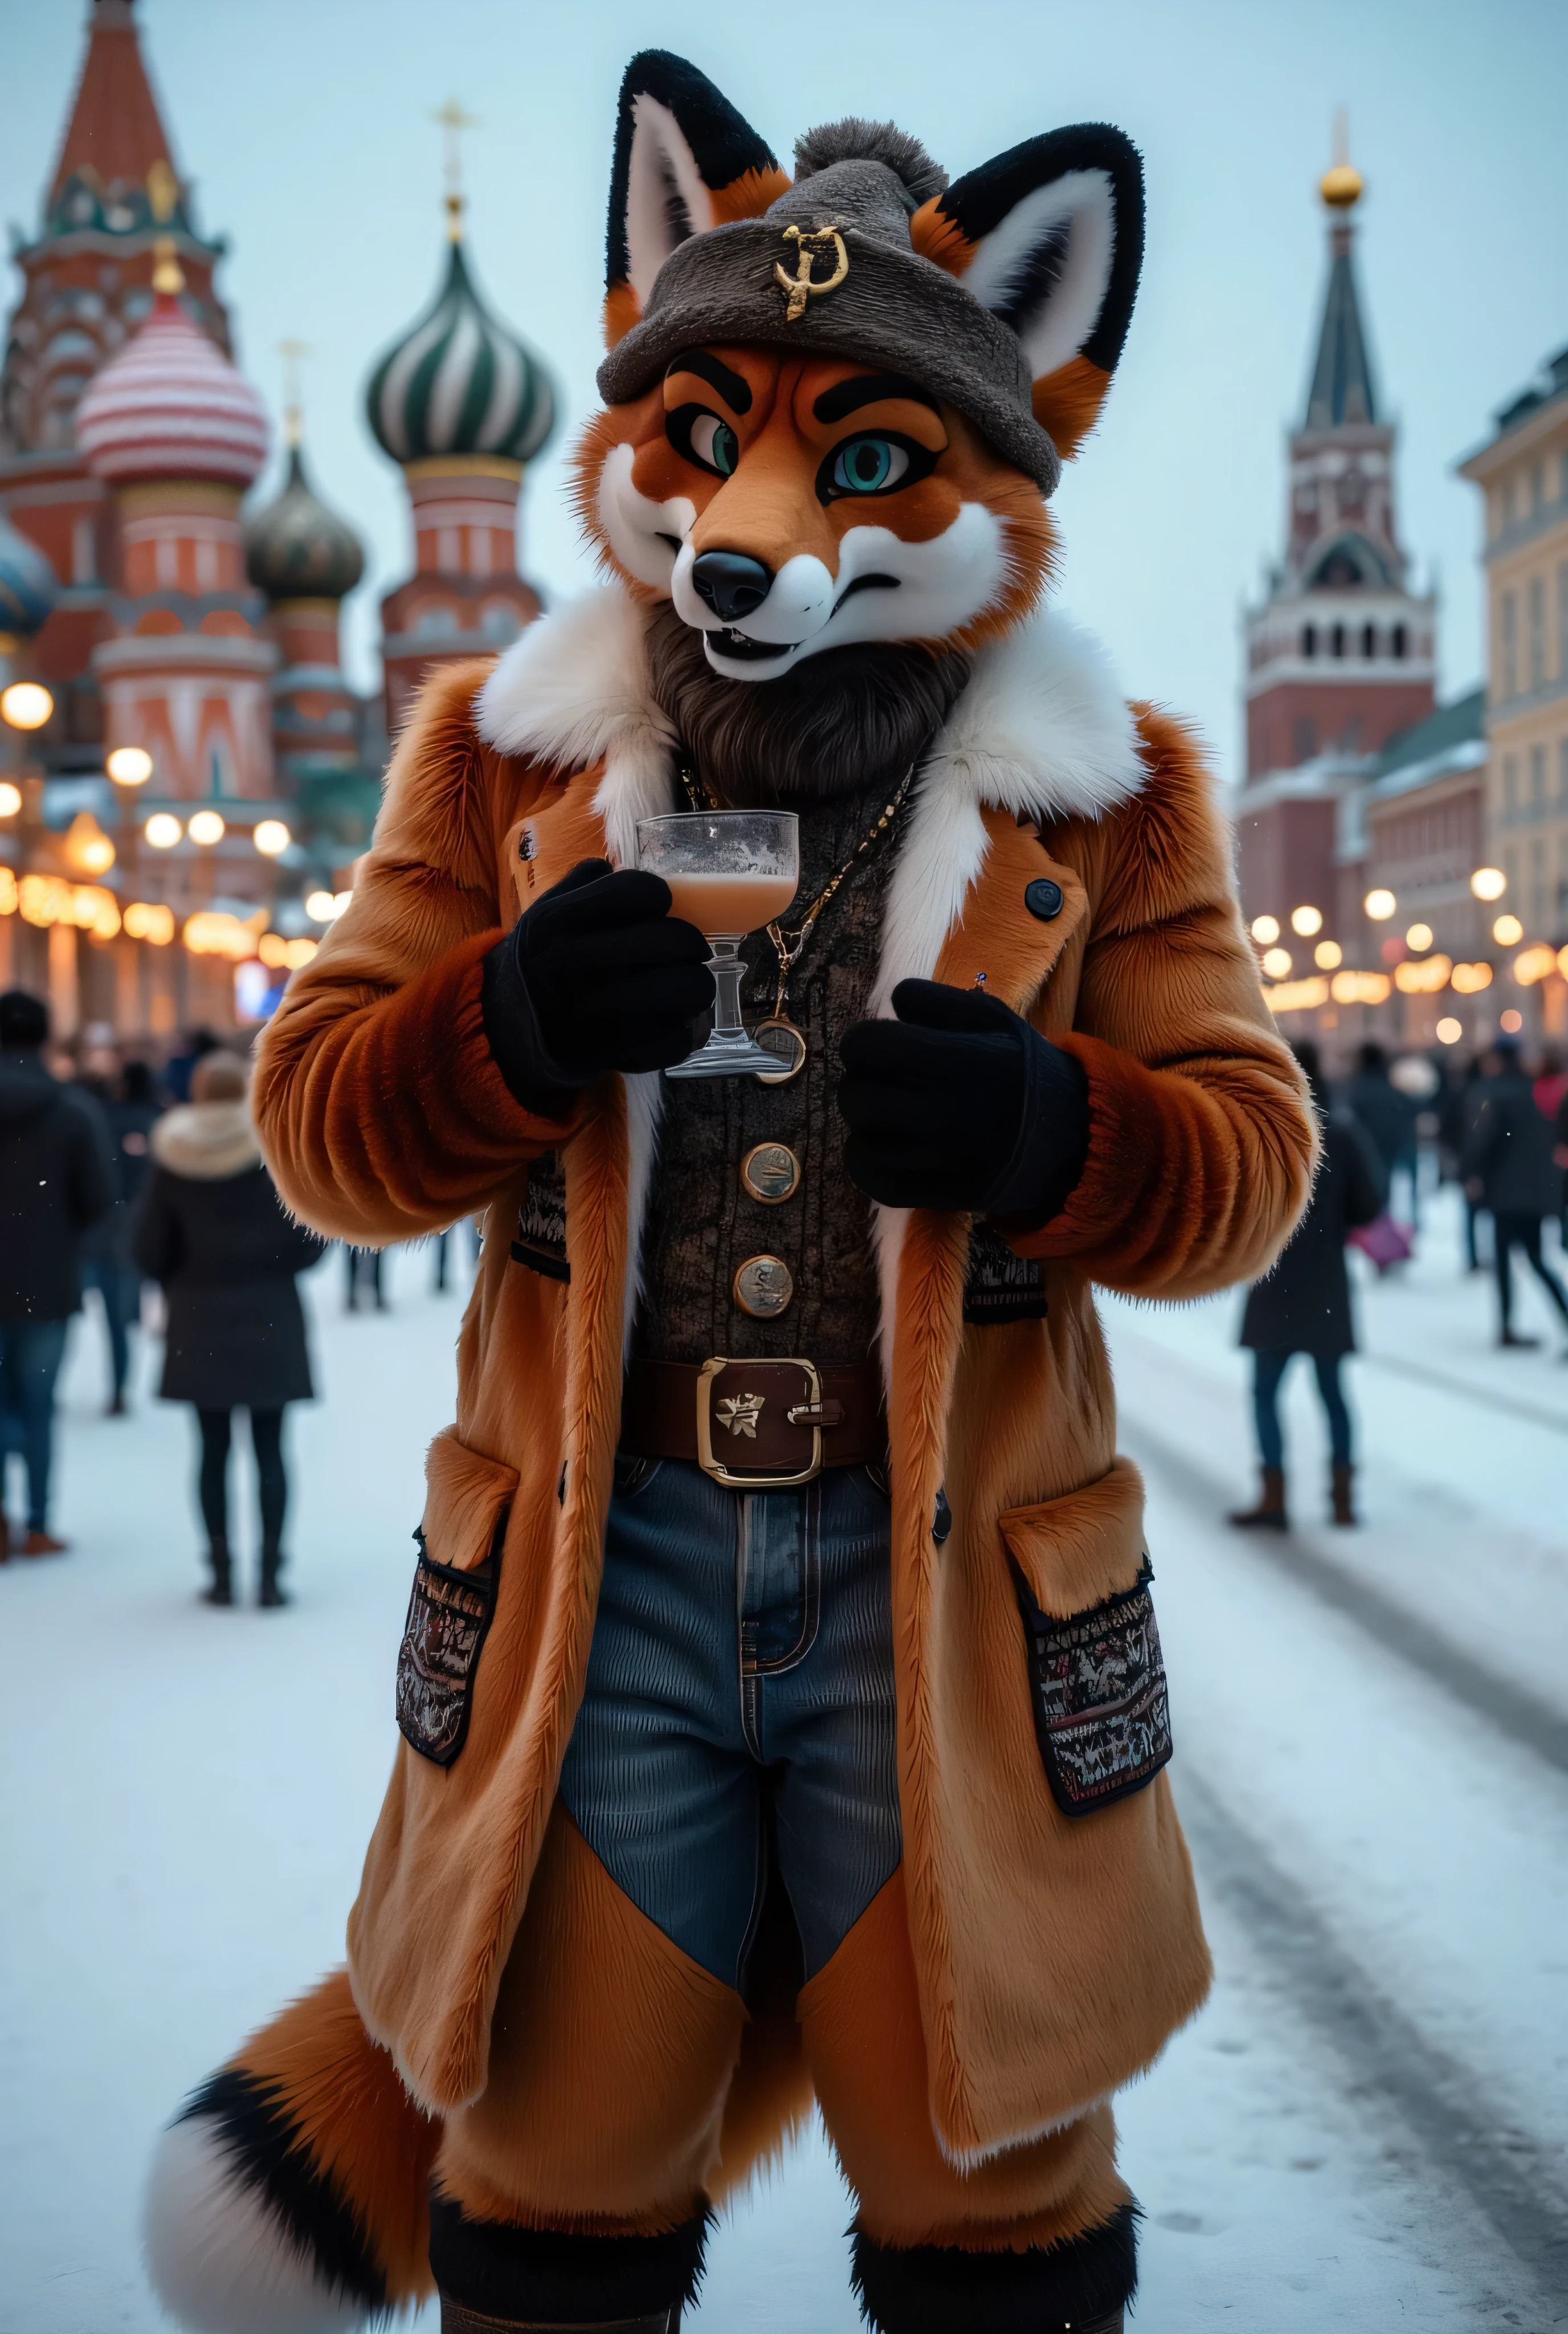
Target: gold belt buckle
<point>744,1410</point>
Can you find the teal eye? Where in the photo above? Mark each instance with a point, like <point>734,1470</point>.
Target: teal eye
<point>715,444</point>
<point>868,466</point>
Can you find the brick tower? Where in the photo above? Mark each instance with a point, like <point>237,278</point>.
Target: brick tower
<point>87,285</point>
<point>1340,653</point>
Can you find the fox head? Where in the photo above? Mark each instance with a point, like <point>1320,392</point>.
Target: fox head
<point>836,408</point>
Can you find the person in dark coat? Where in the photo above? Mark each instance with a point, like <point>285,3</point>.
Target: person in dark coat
<point>54,1184</point>
<point>211,1229</point>
<point>1508,1164</point>
<point>1386,1119</point>
<point>127,1098</point>
<point>1303,1306</point>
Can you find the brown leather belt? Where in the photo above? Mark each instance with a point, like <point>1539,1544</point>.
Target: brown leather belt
<point>755,1426</point>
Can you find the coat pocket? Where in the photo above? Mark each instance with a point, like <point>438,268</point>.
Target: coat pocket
<point>467,1501</point>
<point>1096,1674</point>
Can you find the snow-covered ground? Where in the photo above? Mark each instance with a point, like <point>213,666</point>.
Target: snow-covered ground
<point>1368,2126</point>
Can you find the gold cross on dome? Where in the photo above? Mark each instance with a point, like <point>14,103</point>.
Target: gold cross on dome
<point>453,121</point>
<point>292,352</point>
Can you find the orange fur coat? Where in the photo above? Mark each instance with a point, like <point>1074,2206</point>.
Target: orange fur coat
<point>1054,1956</point>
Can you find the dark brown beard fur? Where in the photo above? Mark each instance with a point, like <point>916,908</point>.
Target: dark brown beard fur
<point>850,718</point>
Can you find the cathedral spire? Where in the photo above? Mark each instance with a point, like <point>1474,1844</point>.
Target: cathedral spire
<point>115,135</point>
<point>1342,390</point>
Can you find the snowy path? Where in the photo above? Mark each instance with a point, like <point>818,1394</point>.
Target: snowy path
<point>1367,2127</point>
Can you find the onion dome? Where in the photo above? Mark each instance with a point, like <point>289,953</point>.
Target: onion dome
<point>459,382</point>
<point>171,406</point>
<point>298,549</point>
<point>27,583</point>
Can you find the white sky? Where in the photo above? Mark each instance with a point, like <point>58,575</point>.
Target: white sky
<point>305,126</point>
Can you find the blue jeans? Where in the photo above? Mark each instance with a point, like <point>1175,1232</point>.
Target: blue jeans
<point>119,1286</point>
<point>30,1357</point>
<point>740,1691</point>
<point>1268,1370</point>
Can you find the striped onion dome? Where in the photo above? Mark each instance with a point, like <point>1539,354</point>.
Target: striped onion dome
<point>298,549</point>
<point>459,383</point>
<point>171,406</point>
<point>27,585</point>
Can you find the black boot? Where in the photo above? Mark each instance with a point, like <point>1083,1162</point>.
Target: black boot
<point>220,1588</point>
<point>1084,2283</point>
<point>493,2278</point>
<point>272,1564</point>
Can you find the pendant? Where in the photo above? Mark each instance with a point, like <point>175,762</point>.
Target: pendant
<point>762,1287</point>
<point>780,1036</point>
<point>770,1172</point>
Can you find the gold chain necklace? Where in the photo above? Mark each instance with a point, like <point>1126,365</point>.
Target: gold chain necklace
<point>779,1034</point>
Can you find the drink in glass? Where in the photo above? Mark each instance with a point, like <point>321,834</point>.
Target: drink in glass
<point>729,873</point>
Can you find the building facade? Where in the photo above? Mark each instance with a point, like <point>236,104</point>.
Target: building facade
<point>1522,472</point>
<point>183,819</point>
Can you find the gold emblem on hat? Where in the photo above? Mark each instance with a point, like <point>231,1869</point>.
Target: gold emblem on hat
<point>808,243</point>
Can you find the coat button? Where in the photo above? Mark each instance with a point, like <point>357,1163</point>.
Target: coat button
<point>942,1522</point>
<point>1043,898</point>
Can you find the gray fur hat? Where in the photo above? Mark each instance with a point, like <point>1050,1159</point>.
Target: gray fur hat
<point>1044,244</point>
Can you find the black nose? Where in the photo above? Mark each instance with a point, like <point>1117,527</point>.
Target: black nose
<point>731,585</point>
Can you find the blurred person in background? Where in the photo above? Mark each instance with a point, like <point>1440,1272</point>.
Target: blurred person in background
<point>1461,1099</point>
<point>363,1271</point>
<point>1303,1306</point>
<point>1508,1164</point>
<point>177,1069</point>
<point>1552,1102</point>
<point>210,1227</point>
<point>126,1097</point>
<point>55,1184</point>
<point>1387,1117</point>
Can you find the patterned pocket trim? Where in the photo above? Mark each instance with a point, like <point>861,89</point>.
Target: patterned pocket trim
<point>1102,1704</point>
<point>449,1617</point>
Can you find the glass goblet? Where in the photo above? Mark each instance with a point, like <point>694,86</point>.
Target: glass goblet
<point>729,873</point>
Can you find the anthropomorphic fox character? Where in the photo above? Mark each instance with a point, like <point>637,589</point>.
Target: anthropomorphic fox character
<point>782,1707</point>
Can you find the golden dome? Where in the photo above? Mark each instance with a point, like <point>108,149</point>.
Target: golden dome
<point>1342,187</point>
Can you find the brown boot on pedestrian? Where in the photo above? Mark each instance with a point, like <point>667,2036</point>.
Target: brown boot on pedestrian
<point>1269,1515</point>
<point>42,1543</point>
<point>1344,1510</point>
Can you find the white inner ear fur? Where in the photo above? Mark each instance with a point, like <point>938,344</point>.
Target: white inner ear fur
<point>635,528</point>
<point>661,162</point>
<point>940,587</point>
<point>1060,326</point>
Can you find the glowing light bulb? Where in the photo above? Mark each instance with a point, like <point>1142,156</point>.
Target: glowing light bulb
<point>1307,921</point>
<point>271,836</point>
<point>1277,963</point>
<point>1450,1032</point>
<point>163,830</point>
<point>129,766</point>
<point>1420,938</point>
<point>1265,930</point>
<point>1380,905</point>
<point>10,799</point>
<point>1506,931</point>
<point>1488,882</point>
<point>207,827</point>
<point>1328,955</point>
<point>26,705</point>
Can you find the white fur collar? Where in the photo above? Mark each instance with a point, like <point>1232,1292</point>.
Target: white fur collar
<point>1041,730</point>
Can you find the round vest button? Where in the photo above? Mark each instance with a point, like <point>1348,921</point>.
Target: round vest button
<point>1043,898</point>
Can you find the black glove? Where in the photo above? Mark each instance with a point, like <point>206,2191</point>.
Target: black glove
<point>961,1104</point>
<point>596,976</point>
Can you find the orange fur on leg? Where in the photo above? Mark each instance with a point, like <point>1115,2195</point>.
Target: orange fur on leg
<point>610,2057</point>
<point>867,2053</point>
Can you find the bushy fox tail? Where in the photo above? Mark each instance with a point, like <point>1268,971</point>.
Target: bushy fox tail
<point>290,2195</point>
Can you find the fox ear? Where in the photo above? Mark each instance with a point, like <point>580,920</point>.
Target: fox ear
<point>685,161</point>
<point>1050,237</point>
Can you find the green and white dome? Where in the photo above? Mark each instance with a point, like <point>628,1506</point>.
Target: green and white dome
<point>460,383</point>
